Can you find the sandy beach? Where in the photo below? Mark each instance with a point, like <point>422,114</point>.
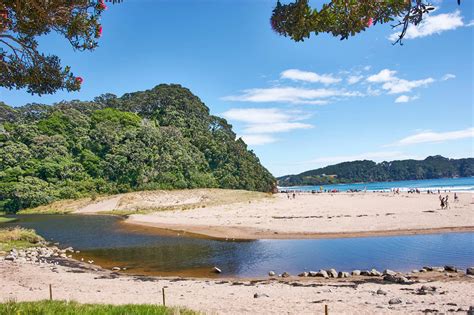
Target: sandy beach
<point>453,292</point>
<point>320,215</point>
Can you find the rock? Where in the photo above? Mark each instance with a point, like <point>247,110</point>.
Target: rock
<point>303,274</point>
<point>322,273</point>
<point>423,270</point>
<point>116,269</point>
<point>415,271</point>
<point>470,271</point>
<point>365,273</point>
<point>271,273</point>
<point>381,292</point>
<point>396,279</point>
<point>389,272</point>
<point>395,301</point>
<point>259,295</point>
<point>332,273</point>
<point>10,258</point>
<point>428,268</point>
<point>356,272</point>
<point>216,270</point>
<point>375,273</point>
<point>343,274</point>
<point>450,268</point>
<point>471,310</point>
<point>285,274</point>
<point>312,273</point>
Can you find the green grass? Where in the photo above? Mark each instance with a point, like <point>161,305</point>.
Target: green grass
<point>7,220</point>
<point>18,238</point>
<point>69,308</point>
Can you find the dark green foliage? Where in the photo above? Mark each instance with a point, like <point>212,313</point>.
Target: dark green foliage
<point>369,171</point>
<point>163,138</point>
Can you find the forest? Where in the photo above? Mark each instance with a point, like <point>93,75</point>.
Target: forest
<point>368,171</point>
<point>163,138</point>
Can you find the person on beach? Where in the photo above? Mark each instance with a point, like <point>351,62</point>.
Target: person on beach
<point>446,202</point>
<point>456,198</point>
<point>294,195</point>
<point>441,199</point>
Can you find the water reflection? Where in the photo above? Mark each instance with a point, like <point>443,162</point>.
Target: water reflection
<point>109,242</point>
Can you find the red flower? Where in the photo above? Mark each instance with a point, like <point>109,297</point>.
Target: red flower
<point>99,31</point>
<point>101,5</point>
<point>79,80</point>
<point>370,22</point>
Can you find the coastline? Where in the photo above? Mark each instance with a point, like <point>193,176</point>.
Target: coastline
<point>247,234</point>
<point>312,216</point>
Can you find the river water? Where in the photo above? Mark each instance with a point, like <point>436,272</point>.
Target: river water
<point>110,242</point>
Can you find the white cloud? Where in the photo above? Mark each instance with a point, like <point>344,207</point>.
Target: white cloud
<point>471,23</point>
<point>258,139</point>
<point>406,98</point>
<point>375,156</point>
<point>448,76</point>
<point>431,136</point>
<point>395,85</point>
<point>276,127</point>
<point>403,86</point>
<point>353,79</point>
<point>290,95</point>
<point>384,75</point>
<point>299,75</point>
<point>433,24</point>
<point>260,122</point>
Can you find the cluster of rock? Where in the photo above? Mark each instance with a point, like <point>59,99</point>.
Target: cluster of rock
<point>388,275</point>
<point>40,254</point>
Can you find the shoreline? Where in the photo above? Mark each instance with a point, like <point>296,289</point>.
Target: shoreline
<point>249,234</point>
<point>71,280</point>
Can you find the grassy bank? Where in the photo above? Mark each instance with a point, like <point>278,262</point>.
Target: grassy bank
<point>141,202</point>
<point>66,308</point>
<point>18,238</point>
<point>7,220</point>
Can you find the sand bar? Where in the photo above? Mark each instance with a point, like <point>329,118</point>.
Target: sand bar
<point>320,216</point>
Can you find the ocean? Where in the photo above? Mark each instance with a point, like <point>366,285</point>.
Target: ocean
<point>463,184</point>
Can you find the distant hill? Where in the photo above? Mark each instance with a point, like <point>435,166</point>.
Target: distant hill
<point>163,138</point>
<point>369,171</point>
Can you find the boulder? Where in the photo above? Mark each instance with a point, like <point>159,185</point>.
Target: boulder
<point>450,268</point>
<point>356,272</point>
<point>271,273</point>
<point>470,271</point>
<point>395,301</point>
<point>389,272</point>
<point>10,257</point>
<point>303,274</point>
<point>375,273</point>
<point>285,274</point>
<point>343,274</point>
<point>381,292</point>
<point>332,273</point>
<point>396,279</point>
<point>312,273</point>
<point>259,295</point>
<point>216,270</point>
<point>365,273</point>
<point>116,269</point>
<point>322,273</point>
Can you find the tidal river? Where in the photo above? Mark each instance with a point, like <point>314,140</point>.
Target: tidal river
<point>110,242</point>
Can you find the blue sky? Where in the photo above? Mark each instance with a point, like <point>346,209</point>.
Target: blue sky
<point>298,105</point>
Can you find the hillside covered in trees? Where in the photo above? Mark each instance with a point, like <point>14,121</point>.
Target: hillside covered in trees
<point>163,138</point>
<point>369,171</point>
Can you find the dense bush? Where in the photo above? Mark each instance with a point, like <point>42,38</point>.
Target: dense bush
<point>163,138</point>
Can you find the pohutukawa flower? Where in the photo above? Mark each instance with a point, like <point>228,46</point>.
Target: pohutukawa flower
<point>370,22</point>
<point>79,80</point>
